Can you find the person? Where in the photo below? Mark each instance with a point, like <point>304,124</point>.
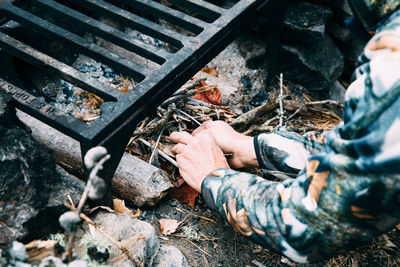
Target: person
<point>347,190</point>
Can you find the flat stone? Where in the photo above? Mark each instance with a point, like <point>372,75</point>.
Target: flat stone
<point>315,66</point>
<point>304,22</point>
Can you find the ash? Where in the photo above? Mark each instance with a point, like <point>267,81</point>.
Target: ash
<point>75,101</point>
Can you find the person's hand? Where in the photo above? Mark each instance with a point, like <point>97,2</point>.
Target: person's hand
<point>197,156</point>
<point>230,141</point>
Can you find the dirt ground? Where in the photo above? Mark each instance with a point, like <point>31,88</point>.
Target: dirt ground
<point>206,240</point>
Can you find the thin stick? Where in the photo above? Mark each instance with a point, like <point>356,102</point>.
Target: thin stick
<point>197,247</point>
<point>253,114</point>
<point>176,98</point>
<point>165,156</point>
<point>69,249</point>
<point>82,201</point>
<point>188,86</point>
<point>154,153</point>
<point>281,111</point>
<point>194,84</point>
<point>204,88</point>
<point>94,171</point>
<point>262,127</point>
<point>156,125</point>
<point>189,116</point>
<point>194,214</point>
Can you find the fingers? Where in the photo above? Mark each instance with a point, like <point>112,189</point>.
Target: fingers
<point>206,125</point>
<point>179,148</point>
<point>181,137</point>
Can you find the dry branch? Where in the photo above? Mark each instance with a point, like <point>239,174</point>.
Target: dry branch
<point>332,102</point>
<point>157,125</point>
<point>253,114</point>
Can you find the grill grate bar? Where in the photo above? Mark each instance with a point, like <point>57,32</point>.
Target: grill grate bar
<point>45,112</point>
<point>200,3</point>
<point>209,15</point>
<point>136,22</point>
<point>107,32</point>
<point>50,64</point>
<point>176,17</point>
<point>97,52</point>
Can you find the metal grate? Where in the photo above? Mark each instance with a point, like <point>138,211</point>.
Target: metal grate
<point>192,33</point>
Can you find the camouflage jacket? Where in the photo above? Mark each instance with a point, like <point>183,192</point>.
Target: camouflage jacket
<point>346,191</point>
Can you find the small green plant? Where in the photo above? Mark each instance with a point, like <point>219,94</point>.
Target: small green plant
<point>191,233</point>
<point>60,238</point>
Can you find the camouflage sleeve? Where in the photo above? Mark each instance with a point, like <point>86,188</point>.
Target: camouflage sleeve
<point>283,154</point>
<point>348,193</point>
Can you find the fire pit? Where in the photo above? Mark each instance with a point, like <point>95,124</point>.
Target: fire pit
<point>186,35</point>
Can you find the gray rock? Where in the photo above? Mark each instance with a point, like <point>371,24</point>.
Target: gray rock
<point>338,31</point>
<point>315,66</point>
<point>305,22</point>
<point>17,251</point>
<point>67,186</point>
<point>32,189</point>
<point>77,263</point>
<point>139,237</point>
<point>51,261</point>
<point>21,264</point>
<point>27,175</point>
<point>170,256</point>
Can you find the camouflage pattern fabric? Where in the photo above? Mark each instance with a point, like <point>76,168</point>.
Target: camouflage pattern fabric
<point>347,191</point>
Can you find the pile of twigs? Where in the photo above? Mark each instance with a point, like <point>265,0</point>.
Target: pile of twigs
<point>183,113</point>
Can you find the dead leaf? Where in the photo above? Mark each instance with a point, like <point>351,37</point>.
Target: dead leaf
<point>212,96</point>
<point>101,207</point>
<point>168,226</point>
<point>184,194</point>
<point>210,71</point>
<point>119,207</point>
<point>215,245</point>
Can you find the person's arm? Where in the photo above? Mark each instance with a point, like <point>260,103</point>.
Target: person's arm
<point>284,154</point>
<point>347,194</point>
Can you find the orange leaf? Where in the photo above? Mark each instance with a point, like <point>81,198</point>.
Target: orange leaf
<point>184,194</point>
<point>119,207</point>
<point>210,71</point>
<point>212,96</point>
<point>168,226</point>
